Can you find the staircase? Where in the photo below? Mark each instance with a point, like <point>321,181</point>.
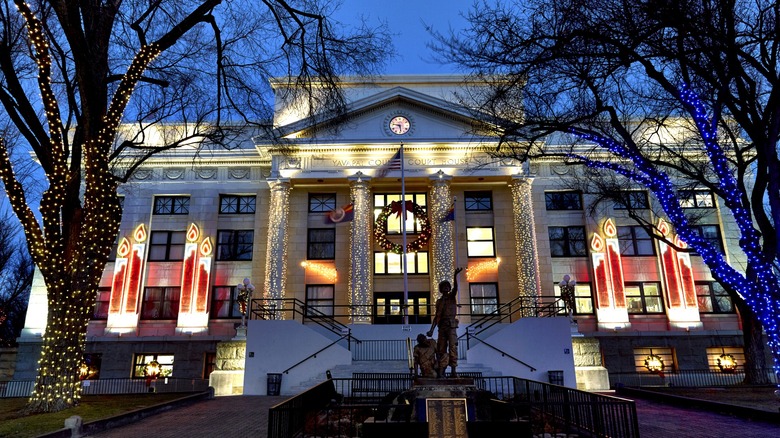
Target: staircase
<point>387,366</point>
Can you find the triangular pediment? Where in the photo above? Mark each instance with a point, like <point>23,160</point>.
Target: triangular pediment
<point>368,120</point>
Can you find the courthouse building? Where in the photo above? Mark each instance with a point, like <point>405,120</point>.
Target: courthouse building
<point>315,223</point>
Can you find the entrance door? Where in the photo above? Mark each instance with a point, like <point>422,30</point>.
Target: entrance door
<point>387,308</point>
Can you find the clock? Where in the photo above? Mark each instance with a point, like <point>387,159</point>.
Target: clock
<point>400,125</point>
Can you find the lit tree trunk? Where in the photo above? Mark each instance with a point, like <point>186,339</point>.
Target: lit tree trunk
<point>753,339</point>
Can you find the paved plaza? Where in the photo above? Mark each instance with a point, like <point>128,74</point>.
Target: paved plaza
<point>247,416</point>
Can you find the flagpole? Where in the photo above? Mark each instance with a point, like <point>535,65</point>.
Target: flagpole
<point>403,234</point>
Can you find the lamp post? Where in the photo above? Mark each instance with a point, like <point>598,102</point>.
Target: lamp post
<point>245,291</point>
<point>567,294</point>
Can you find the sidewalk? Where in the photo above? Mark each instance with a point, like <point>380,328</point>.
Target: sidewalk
<point>247,416</point>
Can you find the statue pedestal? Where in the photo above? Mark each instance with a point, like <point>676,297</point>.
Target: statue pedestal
<point>228,378</point>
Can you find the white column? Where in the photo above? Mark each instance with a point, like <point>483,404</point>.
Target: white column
<point>276,251</point>
<point>527,256</point>
<point>361,254</point>
<point>442,245</point>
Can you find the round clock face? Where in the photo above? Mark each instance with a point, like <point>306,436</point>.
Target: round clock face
<point>400,125</point>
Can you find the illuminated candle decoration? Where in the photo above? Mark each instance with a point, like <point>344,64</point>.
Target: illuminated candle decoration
<point>126,283</point>
<point>188,269</point>
<point>615,263</point>
<point>611,309</point>
<point>204,274</point>
<point>683,308</point>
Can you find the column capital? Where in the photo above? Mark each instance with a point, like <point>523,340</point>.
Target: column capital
<point>440,178</point>
<point>359,177</point>
<point>276,182</point>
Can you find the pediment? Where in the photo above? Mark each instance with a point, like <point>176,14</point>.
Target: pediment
<point>368,120</point>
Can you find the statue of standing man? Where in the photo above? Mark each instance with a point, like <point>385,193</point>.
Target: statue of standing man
<point>447,322</point>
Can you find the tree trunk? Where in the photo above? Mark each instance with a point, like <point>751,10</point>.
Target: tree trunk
<point>753,338</point>
<point>57,385</point>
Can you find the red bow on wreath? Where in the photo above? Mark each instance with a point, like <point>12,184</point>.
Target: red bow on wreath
<point>397,207</point>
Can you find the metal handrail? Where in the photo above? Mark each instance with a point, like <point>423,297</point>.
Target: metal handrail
<point>528,306</point>
<point>314,355</point>
<point>505,354</point>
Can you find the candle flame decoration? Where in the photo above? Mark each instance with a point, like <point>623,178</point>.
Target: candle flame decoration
<point>654,363</point>
<point>140,233</point>
<point>680,243</point>
<point>124,248</point>
<point>609,228</point>
<point>206,247</point>
<point>193,233</point>
<point>663,227</point>
<point>597,243</point>
<point>330,273</point>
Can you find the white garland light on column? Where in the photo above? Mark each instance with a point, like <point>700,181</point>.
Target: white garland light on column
<point>442,245</point>
<point>276,251</point>
<point>526,254</point>
<point>360,243</point>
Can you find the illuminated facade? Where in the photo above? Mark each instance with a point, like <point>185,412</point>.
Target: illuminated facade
<point>194,228</point>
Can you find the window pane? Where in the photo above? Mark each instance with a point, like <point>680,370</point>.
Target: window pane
<point>480,249</point>
<point>654,305</point>
<point>422,262</point>
<point>394,263</point>
<point>479,233</point>
<point>478,201</point>
<point>322,202</point>
<point>379,263</point>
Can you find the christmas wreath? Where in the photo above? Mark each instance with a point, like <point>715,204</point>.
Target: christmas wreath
<point>398,208</point>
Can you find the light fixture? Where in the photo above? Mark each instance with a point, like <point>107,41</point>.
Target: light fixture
<point>152,369</point>
<point>83,371</point>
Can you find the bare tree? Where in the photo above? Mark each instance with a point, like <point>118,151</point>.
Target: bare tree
<point>72,70</point>
<point>666,95</point>
<point>16,274</point>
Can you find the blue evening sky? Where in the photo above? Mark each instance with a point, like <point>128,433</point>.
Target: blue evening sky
<point>406,20</point>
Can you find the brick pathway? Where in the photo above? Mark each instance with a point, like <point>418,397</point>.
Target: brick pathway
<point>247,416</point>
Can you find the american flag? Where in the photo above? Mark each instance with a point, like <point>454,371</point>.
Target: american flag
<point>393,164</point>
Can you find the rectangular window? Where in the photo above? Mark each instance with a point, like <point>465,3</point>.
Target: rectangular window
<point>390,263</point>
<point>223,303</point>
<point>583,298</point>
<point>654,359</point>
<point>166,246</point>
<point>322,202</point>
<point>478,201</point>
<point>713,298</point>
<point>101,303</point>
<point>142,360</point>
<point>234,244</point>
<point>563,200</point>
<point>632,200</point>
<point>319,297</point>
<point>161,303</point>
<point>480,242</point>
<point>484,298</point>
<point>394,221</point>
<point>644,298</point>
<point>321,244</point>
<point>634,241</point>
<point>567,241</point>
<point>696,199</point>
<point>237,204</point>
<point>725,359</point>
<point>171,205</point>
<point>710,234</point>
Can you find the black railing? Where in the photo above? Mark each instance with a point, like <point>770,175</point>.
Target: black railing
<point>24,388</point>
<point>334,316</point>
<point>395,349</point>
<point>341,404</point>
<point>684,378</point>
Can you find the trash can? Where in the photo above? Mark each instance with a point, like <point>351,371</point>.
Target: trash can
<point>275,383</point>
<point>555,377</point>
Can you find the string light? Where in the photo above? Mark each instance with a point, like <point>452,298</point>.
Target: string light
<point>276,251</point>
<point>526,253</point>
<point>483,267</point>
<point>360,275</point>
<point>442,245</point>
<point>328,273</point>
